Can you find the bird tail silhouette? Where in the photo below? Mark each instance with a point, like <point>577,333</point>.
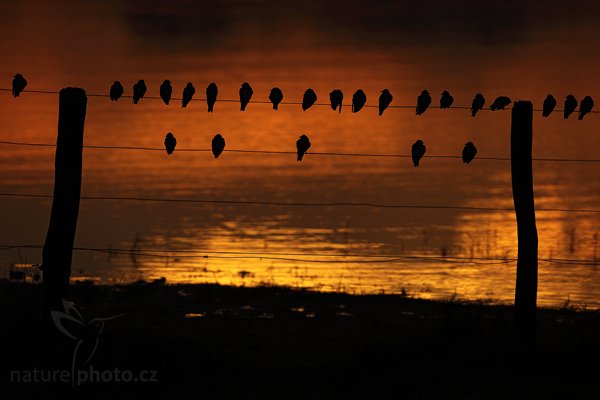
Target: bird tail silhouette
<point>243,107</point>
<point>581,116</point>
<point>210,108</point>
<point>380,112</point>
<point>300,155</point>
<point>274,106</point>
<point>135,101</point>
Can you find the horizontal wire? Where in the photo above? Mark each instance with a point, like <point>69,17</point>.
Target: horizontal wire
<point>280,256</point>
<point>411,107</point>
<point>293,152</point>
<point>292,204</point>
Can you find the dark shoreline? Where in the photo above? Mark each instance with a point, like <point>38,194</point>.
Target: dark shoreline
<point>277,342</point>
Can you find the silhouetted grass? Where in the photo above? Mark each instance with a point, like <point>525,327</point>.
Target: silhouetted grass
<point>284,343</point>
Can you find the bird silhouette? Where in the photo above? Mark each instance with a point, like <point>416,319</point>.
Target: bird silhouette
<point>423,101</point>
<point>418,151</point>
<point>218,144</point>
<point>570,105</point>
<point>469,152</point>
<point>245,95</point>
<point>139,90</point>
<point>116,91</point>
<point>549,105</point>
<point>500,103</point>
<point>585,107</point>
<point>188,93</point>
<point>359,98</point>
<point>276,96</point>
<point>336,97</point>
<point>309,98</point>
<point>211,95</point>
<point>18,85</point>
<point>165,91</point>
<point>302,145</point>
<point>384,100</point>
<point>477,104</point>
<point>170,143</point>
<point>446,100</point>
<point>87,333</point>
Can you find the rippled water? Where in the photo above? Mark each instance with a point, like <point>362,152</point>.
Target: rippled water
<point>430,253</point>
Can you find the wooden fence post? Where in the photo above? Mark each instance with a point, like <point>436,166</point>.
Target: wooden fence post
<point>521,142</point>
<point>58,248</point>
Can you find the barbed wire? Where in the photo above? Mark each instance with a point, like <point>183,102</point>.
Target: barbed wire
<point>589,160</point>
<point>297,204</point>
<point>349,105</point>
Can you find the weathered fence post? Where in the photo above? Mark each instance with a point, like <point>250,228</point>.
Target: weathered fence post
<point>58,248</point>
<point>521,142</point>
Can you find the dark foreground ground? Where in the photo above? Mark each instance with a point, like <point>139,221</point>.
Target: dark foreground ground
<point>279,343</point>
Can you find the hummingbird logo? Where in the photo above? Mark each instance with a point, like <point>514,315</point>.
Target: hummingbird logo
<point>87,334</point>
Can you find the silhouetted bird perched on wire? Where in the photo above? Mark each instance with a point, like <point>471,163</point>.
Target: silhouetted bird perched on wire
<point>211,95</point>
<point>165,91</point>
<point>469,152</point>
<point>359,98</point>
<point>170,143</point>
<point>309,98</point>
<point>139,90</point>
<point>336,97</point>
<point>423,101</point>
<point>385,98</point>
<point>218,144</point>
<point>500,103</point>
<point>245,95</point>
<point>188,93</point>
<point>418,151</point>
<point>116,91</point>
<point>586,106</point>
<point>549,105</point>
<point>275,97</point>
<point>446,100</point>
<point>570,105</point>
<point>18,85</point>
<point>477,104</point>
<point>302,146</point>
